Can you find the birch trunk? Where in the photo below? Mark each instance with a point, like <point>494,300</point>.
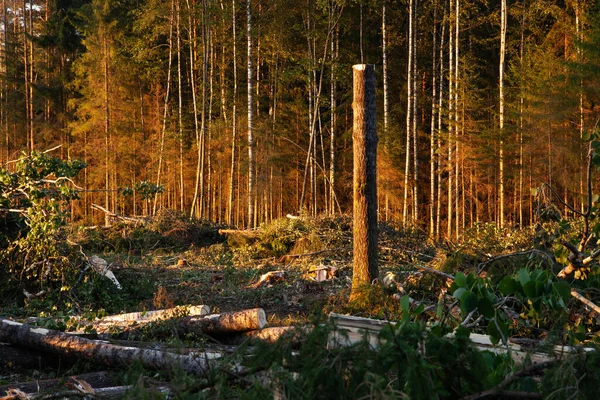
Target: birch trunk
<point>233,121</point>
<point>99,352</point>
<point>166,107</point>
<point>409,105</point>
<point>501,115</point>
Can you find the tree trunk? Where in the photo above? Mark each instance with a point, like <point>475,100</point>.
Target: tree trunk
<point>414,116</point>
<point>99,352</point>
<point>166,108</point>
<point>251,161</point>
<point>450,121</point>
<point>365,178</point>
<point>180,112</point>
<point>196,208</point>
<point>409,111</point>
<point>456,121</point>
<point>432,152</point>
<point>233,121</point>
<point>501,115</point>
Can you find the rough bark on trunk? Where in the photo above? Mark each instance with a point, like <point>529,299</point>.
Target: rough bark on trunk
<point>365,177</point>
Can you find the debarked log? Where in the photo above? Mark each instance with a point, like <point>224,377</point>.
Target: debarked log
<point>226,323</point>
<point>98,352</point>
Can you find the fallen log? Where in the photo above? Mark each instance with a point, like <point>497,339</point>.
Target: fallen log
<point>226,323</point>
<point>107,392</point>
<point>115,216</point>
<point>142,317</point>
<point>99,352</point>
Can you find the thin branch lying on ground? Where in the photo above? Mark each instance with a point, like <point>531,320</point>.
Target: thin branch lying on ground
<point>537,252</point>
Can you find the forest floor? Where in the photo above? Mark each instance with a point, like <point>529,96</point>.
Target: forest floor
<point>171,261</point>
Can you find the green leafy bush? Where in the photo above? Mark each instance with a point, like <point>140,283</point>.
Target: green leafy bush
<point>34,199</point>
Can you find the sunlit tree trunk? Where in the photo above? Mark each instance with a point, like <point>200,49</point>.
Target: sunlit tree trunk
<point>233,120</point>
<point>333,100</point>
<point>451,126</point>
<point>106,117</point>
<point>501,115</point>
<point>196,209</point>
<point>28,122</point>
<point>251,161</point>
<point>456,119</point>
<point>409,110</point>
<point>180,111</point>
<point>415,93</point>
<point>521,105</point>
<point>438,213</point>
<point>432,150</point>
<point>364,139</point>
<point>166,106</point>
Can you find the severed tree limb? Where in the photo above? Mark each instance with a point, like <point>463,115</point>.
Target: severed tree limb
<point>101,393</point>
<point>542,254</point>
<point>585,301</point>
<point>129,220</point>
<point>99,352</point>
<point>433,271</point>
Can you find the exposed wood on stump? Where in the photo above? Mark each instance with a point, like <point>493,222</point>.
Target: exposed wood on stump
<point>226,323</point>
<point>364,140</point>
<point>99,352</point>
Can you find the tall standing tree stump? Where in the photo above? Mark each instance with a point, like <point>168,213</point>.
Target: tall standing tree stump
<point>364,139</point>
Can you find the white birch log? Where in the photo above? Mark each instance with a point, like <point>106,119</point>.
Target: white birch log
<point>99,352</point>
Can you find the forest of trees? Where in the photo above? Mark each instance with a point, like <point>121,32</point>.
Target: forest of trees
<point>240,111</point>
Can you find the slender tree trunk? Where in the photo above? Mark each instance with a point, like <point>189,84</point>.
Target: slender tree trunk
<point>251,161</point>
<point>438,212</point>
<point>332,159</point>
<point>409,111</point>
<point>30,117</point>
<point>362,57</point>
<point>166,106</point>
<point>385,71</point>
<point>451,126</point>
<point>501,115</point>
<point>456,118</point>
<point>180,111</point>
<point>196,209</point>
<point>415,93</point>
<point>521,106</point>
<point>28,122</point>
<point>233,120</point>
<point>106,116</point>
<point>432,152</point>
